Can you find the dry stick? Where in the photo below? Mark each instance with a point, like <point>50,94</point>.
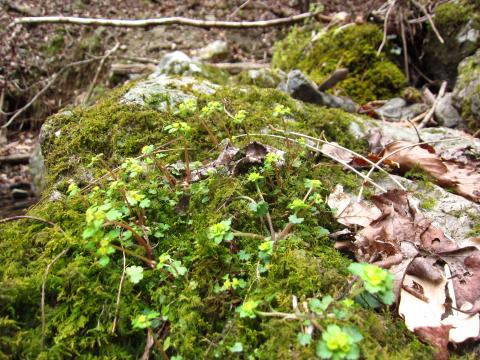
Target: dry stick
<point>429,115</point>
<point>399,150</point>
<point>174,20</point>
<point>385,27</point>
<point>430,20</point>
<point>42,301</point>
<point>313,148</point>
<point>13,218</point>
<point>46,87</point>
<point>345,149</point>
<point>405,48</point>
<point>97,73</point>
<point>238,9</point>
<point>117,306</point>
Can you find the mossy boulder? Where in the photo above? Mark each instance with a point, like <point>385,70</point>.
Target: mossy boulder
<point>466,94</point>
<point>458,22</point>
<point>318,54</point>
<point>191,316</point>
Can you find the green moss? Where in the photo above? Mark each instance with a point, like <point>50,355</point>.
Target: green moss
<point>55,46</point>
<point>198,323</point>
<point>371,76</point>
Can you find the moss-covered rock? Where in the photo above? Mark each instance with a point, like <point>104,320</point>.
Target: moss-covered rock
<point>466,94</point>
<point>355,47</point>
<point>193,316</point>
<point>459,24</point>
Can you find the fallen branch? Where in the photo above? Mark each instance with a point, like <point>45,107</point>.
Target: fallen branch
<point>430,113</point>
<point>385,26</point>
<point>15,159</point>
<point>127,69</point>
<point>174,20</point>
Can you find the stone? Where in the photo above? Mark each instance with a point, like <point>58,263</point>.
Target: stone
<point>445,112</point>
<point>164,92</point>
<point>215,51</point>
<point>178,63</point>
<point>397,109</point>
<point>264,78</point>
<point>300,87</point>
<point>466,94</point>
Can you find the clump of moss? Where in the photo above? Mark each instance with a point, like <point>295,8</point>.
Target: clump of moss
<point>371,76</point>
<point>197,321</point>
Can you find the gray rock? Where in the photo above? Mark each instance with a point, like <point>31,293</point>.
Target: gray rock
<point>451,213</point>
<point>178,63</point>
<point>397,109</point>
<point>215,51</point>
<point>390,130</point>
<point>164,92</point>
<point>445,112</point>
<point>264,78</point>
<point>300,87</point>
<point>466,94</point>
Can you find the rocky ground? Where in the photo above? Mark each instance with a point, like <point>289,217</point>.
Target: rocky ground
<point>196,213</point>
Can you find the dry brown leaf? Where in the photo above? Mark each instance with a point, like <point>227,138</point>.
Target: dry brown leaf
<point>462,177</point>
<point>350,213</point>
<point>437,337</point>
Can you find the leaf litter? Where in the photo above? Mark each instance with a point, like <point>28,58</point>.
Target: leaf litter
<point>436,282</point>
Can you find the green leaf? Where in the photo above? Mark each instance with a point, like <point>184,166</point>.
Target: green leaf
<point>243,255</point>
<point>236,348</point>
<point>103,261</point>
<point>304,339</point>
<point>134,273</point>
<point>295,220</point>
<point>259,209</point>
<point>113,215</point>
<point>145,203</point>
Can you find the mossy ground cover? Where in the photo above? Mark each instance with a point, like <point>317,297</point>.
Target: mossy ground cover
<point>196,319</point>
<point>354,47</point>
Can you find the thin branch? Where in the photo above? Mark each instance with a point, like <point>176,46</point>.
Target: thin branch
<point>405,48</point>
<point>175,20</point>
<point>97,73</point>
<point>119,293</point>
<point>385,27</point>
<point>238,9</point>
<point>316,149</point>
<point>19,217</point>
<point>42,301</point>
<point>396,152</point>
<point>430,20</point>
<point>345,149</point>
<point>430,113</point>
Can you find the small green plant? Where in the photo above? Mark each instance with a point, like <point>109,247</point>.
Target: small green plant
<point>220,232</point>
<point>377,281</point>
<point>248,309</point>
<point>233,283</point>
<point>147,319</point>
<point>339,343</point>
<point>174,267</point>
<point>240,117</point>
<point>211,108</point>
<point>281,111</point>
<point>134,273</point>
<point>187,108</point>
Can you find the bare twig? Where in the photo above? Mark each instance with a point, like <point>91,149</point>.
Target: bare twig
<point>385,26</point>
<point>316,149</point>
<point>345,149</point>
<point>396,152</point>
<point>429,115</point>
<point>430,20</point>
<point>19,217</point>
<point>99,68</point>
<point>405,47</point>
<point>148,345</point>
<point>175,20</point>
<point>119,293</point>
<point>238,9</point>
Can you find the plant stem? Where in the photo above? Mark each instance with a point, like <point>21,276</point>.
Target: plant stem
<point>269,218</point>
<point>248,235</point>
